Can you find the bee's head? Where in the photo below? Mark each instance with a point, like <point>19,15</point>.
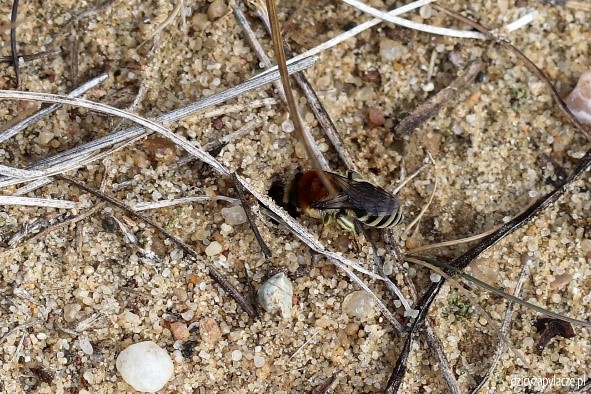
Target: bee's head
<point>277,192</point>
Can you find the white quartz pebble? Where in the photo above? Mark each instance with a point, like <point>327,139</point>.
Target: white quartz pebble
<point>234,215</point>
<point>358,303</point>
<point>145,366</point>
<point>276,294</point>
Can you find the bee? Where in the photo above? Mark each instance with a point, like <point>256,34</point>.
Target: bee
<point>358,199</point>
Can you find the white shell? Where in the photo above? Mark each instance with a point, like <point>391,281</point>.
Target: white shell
<point>579,100</point>
<point>276,295</point>
<point>145,366</point>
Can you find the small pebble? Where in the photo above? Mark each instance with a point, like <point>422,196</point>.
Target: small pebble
<point>259,361</point>
<point>426,11</point>
<point>130,318</point>
<point>179,331</point>
<point>209,330</point>
<point>160,149</point>
<point>234,215</point>
<point>236,355</point>
<point>217,123</point>
<point>391,50</point>
<point>70,312</point>
<point>585,246</point>
<point>145,366</point>
<point>276,294</point>
<point>456,57</point>
<point>216,10</point>
<point>358,304</point>
<point>287,126</point>
<point>376,116</point>
<point>434,277</point>
<point>180,294</point>
<point>351,329</point>
<point>86,346</point>
<point>188,314</point>
<point>45,137</point>
<point>579,100</point>
<point>199,21</point>
<point>213,248</point>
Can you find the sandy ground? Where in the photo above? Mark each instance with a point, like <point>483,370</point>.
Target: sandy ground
<point>500,145</point>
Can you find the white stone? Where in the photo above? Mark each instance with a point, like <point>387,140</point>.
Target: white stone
<point>391,50</point>
<point>145,366</point>
<point>213,248</point>
<point>86,346</point>
<point>276,294</point>
<point>259,361</point>
<point>236,355</point>
<point>234,215</point>
<point>359,303</point>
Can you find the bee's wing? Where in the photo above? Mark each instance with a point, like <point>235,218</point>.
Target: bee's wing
<point>360,196</point>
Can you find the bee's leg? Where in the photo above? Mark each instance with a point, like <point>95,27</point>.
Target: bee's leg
<point>328,218</point>
<point>346,222</point>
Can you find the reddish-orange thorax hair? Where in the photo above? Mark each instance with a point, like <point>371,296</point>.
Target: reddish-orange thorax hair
<point>310,189</point>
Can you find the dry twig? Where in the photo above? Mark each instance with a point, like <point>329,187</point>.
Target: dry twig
<point>528,63</point>
<point>305,137</point>
<point>213,272</point>
<point>433,105</point>
<point>465,259</point>
<point>13,49</point>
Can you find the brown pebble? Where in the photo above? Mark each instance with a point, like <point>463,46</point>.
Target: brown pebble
<point>210,331</point>
<point>199,21</point>
<point>351,329</point>
<point>370,76</point>
<point>550,328</point>
<point>216,10</point>
<point>180,294</point>
<point>160,149</point>
<point>411,243</point>
<point>217,123</point>
<point>179,331</point>
<point>193,279</point>
<point>579,100</point>
<point>328,270</point>
<point>560,281</point>
<point>376,116</point>
<point>42,373</point>
<point>158,246</point>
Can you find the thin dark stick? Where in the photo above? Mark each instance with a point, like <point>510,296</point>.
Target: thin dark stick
<point>435,346</point>
<point>505,328</point>
<point>30,57</point>
<point>92,10</point>
<point>586,388</point>
<point>397,375</point>
<point>74,48</point>
<point>213,272</point>
<point>445,368</point>
<point>264,248</point>
<point>465,259</point>
<point>13,42</point>
<point>323,389</point>
<point>528,63</point>
<point>431,107</point>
